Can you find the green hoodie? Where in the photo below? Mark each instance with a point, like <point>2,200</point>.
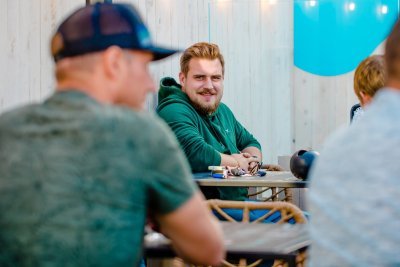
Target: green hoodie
<point>203,137</point>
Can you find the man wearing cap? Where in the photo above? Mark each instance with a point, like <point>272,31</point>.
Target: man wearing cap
<point>80,171</point>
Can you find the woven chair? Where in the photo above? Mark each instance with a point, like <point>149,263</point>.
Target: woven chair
<point>288,211</point>
<point>277,194</point>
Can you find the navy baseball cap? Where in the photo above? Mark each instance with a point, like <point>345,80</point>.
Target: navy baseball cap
<point>96,27</point>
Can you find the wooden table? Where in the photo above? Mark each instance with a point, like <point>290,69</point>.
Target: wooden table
<point>271,179</point>
<point>250,241</point>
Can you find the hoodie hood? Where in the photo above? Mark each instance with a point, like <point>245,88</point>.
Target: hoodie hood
<point>171,92</point>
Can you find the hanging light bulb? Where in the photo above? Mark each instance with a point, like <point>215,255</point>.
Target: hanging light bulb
<point>384,9</point>
<point>352,6</point>
<point>272,2</point>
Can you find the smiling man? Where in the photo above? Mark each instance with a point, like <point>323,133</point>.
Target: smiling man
<point>206,128</point>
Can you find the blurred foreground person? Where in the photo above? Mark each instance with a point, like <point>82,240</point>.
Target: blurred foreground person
<point>80,172</point>
<point>356,183</point>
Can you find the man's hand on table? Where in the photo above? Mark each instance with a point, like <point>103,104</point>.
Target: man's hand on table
<point>247,162</point>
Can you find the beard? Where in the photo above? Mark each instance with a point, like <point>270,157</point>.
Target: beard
<point>202,107</point>
<point>205,109</point>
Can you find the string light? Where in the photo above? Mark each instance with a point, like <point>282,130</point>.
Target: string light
<point>384,9</point>
<point>272,2</point>
<point>352,6</point>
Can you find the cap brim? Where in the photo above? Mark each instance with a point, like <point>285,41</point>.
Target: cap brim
<point>160,52</point>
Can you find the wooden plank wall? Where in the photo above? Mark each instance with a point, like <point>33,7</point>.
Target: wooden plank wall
<point>172,23</point>
<point>256,38</point>
<point>285,108</point>
<point>26,68</point>
<point>321,105</point>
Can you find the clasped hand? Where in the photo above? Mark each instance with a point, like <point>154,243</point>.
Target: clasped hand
<point>247,162</point>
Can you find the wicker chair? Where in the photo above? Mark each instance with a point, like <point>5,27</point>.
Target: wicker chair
<point>277,194</point>
<point>288,211</point>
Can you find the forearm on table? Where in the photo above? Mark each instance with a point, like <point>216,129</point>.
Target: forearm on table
<point>228,160</point>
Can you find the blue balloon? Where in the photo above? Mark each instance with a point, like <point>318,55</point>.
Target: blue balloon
<point>331,37</point>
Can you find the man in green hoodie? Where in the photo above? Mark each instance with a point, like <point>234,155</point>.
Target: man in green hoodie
<point>207,130</point>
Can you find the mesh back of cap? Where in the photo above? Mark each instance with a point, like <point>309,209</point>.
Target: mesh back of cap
<point>96,27</point>
<point>99,26</point>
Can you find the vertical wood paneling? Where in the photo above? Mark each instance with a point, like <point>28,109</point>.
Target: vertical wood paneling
<point>256,38</point>
<point>25,64</point>
<point>321,105</point>
<point>21,79</point>
<point>172,24</point>
<point>5,43</point>
<point>52,13</point>
<point>281,69</point>
<point>264,108</point>
<point>4,50</point>
<point>12,61</point>
<point>275,101</point>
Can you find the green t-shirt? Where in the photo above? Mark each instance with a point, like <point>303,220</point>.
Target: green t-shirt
<point>77,179</point>
<point>204,137</point>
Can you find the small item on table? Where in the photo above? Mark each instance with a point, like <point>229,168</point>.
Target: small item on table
<point>256,167</point>
<point>222,172</point>
<point>236,171</point>
<point>219,172</point>
<point>261,173</point>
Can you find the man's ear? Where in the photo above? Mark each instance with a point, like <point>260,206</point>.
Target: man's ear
<point>112,62</point>
<point>182,79</point>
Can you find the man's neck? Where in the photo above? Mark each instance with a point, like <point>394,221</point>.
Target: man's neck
<point>95,92</point>
<point>393,84</point>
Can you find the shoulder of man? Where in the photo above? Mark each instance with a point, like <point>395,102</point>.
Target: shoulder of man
<point>225,111</point>
<point>12,116</point>
<point>174,104</point>
<point>223,107</point>
<point>137,121</point>
<point>173,110</point>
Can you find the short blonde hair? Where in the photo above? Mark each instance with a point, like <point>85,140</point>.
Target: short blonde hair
<point>201,50</point>
<point>370,76</point>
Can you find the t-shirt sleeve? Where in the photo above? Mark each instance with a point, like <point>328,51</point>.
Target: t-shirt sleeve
<point>199,153</point>
<point>168,177</point>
